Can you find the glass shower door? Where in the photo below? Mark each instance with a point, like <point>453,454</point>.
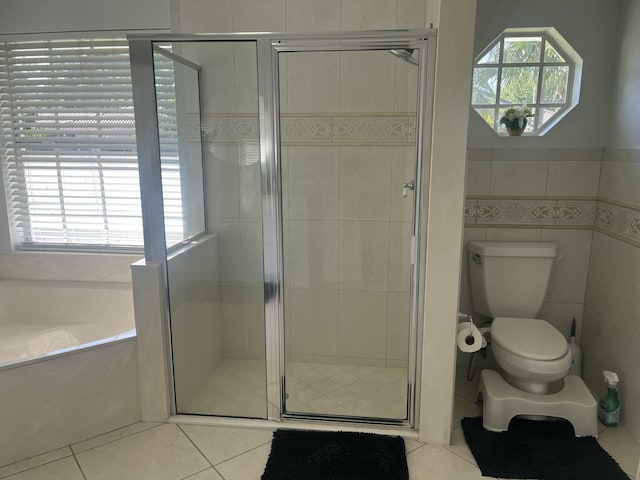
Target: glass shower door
<point>348,150</point>
<point>206,98</point>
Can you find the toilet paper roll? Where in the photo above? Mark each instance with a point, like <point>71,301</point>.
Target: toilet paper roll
<point>469,337</point>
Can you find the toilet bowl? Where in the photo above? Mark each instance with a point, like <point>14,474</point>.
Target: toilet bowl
<point>509,283</point>
<point>531,352</point>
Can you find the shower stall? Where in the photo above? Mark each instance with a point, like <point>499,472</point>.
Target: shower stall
<point>284,184</point>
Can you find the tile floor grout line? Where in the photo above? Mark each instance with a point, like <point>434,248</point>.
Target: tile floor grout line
<point>194,444</point>
<point>115,439</point>
<point>240,454</point>
<point>191,475</point>
<point>202,453</point>
<point>448,447</point>
<point>84,476</point>
<point>35,466</point>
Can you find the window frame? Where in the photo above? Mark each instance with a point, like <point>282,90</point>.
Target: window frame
<point>571,59</point>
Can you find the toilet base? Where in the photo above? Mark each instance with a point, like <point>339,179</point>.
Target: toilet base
<point>502,402</point>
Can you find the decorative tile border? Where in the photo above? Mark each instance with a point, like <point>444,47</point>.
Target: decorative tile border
<point>621,221</point>
<point>328,129</point>
<point>611,218</point>
<point>500,211</point>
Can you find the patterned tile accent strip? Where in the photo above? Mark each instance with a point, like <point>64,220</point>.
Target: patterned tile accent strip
<point>606,216</point>
<point>618,220</point>
<point>543,211</point>
<point>328,129</point>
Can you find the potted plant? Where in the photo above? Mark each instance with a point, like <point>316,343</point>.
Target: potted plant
<point>515,119</point>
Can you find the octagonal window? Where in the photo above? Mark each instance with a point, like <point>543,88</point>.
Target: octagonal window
<point>531,73</point>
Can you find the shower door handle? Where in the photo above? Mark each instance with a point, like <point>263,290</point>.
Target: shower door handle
<point>410,185</point>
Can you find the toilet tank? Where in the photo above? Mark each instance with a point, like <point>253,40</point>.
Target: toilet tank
<point>510,279</point>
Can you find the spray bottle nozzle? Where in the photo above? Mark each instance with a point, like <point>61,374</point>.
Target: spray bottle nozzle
<point>611,378</point>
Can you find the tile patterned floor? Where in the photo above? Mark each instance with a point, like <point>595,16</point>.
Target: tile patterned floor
<point>194,452</point>
<point>312,388</point>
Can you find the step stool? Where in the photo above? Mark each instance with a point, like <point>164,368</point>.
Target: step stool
<point>502,402</point>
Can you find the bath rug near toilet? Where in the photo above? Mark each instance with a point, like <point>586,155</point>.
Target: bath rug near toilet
<point>544,450</point>
<point>310,455</point>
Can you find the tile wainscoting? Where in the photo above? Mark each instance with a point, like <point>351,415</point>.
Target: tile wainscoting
<point>393,128</point>
<point>588,202</point>
<point>610,217</point>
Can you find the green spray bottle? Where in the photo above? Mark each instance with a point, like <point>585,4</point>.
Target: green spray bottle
<point>609,405</point>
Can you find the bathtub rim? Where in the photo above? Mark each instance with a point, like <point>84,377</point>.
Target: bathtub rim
<point>127,336</point>
<point>119,337</point>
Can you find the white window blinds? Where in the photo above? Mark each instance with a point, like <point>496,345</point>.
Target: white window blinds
<point>68,144</point>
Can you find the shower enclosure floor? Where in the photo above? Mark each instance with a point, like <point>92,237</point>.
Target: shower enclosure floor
<point>236,388</point>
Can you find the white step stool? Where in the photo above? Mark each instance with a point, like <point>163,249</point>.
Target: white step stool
<point>502,402</point>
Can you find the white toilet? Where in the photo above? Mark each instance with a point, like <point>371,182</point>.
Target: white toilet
<point>508,283</point>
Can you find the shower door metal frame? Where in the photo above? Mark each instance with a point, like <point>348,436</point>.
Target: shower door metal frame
<point>268,47</point>
<point>424,43</point>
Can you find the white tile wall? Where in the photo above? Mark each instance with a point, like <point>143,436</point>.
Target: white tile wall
<point>314,322</point>
<point>620,180</point>
<point>411,14</point>
<point>196,324</point>
<point>246,67</point>
<point>259,16</point>
<point>313,82</point>
<point>598,276</point>
<point>399,253</point>
<point>519,178</point>
<point>337,201</point>
<point>196,16</point>
<point>313,15</point>
<point>313,183</point>
<point>218,61</point>
<point>313,254</point>
<point>402,171</point>
<point>367,14</point>
<point>365,183</point>
<point>362,324</point>
<point>398,327</point>
<point>366,81</point>
<point>576,178</point>
<point>364,256</point>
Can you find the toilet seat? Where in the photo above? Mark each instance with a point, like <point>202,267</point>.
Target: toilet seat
<point>530,338</point>
<point>530,349</point>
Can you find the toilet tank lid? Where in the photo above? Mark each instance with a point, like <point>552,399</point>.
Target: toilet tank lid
<point>513,249</point>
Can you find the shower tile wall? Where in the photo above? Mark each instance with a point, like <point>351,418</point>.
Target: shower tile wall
<point>298,15</point>
<point>233,191</point>
<point>311,170</point>
<point>347,149</point>
<point>195,316</point>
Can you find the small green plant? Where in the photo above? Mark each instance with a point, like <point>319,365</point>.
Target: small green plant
<point>515,118</point>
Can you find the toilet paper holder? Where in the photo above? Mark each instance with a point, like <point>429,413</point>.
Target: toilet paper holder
<point>469,340</point>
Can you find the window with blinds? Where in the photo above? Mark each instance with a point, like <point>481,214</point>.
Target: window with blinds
<point>68,145</point>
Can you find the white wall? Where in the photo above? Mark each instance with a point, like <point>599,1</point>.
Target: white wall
<point>589,162</point>
<point>612,305</point>
<point>590,27</point>
<point>38,16</point>
<point>625,102</point>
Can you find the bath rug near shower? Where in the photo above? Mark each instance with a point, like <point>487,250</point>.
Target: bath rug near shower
<point>310,455</point>
<point>539,450</point>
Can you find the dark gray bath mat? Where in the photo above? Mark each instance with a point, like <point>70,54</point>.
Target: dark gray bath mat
<point>539,450</point>
<point>310,455</point>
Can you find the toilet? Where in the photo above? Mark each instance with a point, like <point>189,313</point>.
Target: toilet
<point>509,282</point>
